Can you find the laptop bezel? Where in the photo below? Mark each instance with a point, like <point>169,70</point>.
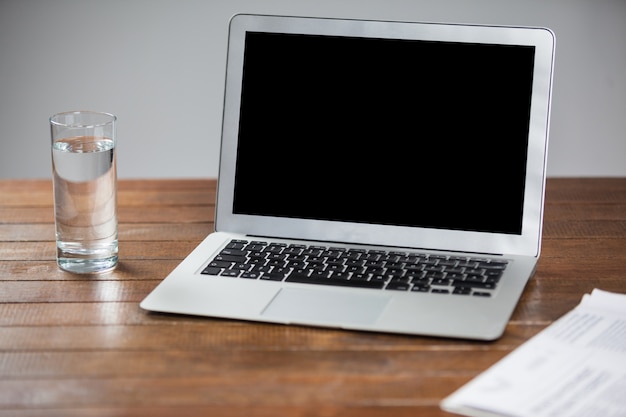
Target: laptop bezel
<point>527,243</point>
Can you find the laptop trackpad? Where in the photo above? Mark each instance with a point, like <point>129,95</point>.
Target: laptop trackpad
<point>314,305</point>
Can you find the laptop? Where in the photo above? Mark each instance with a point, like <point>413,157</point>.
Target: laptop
<point>374,176</point>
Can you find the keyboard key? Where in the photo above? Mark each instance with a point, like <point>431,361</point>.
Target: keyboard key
<point>474,278</point>
<point>485,285</point>
<point>493,265</point>
<point>231,258</point>
<point>272,276</point>
<point>398,286</point>
<point>360,277</point>
<point>220,264</point>
<point>320,274</point>
<point>233,252</point>
<point>237,244</point>
<point>241,267</point>
<point>462,291</point>
<point>340,275</point>
<point>326,281</point>
<point>254,247</point>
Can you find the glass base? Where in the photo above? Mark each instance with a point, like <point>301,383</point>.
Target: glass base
<point>87,266</point>
<point>77,259</point>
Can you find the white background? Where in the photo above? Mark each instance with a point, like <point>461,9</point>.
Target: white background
<point>159,66</point>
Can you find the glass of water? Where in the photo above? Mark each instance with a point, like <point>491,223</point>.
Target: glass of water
<point>85,190</point>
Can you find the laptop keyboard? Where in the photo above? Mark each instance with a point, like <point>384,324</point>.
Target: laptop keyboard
<point>363,268</point>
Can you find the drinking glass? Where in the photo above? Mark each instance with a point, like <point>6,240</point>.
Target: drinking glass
<point>85,190</point>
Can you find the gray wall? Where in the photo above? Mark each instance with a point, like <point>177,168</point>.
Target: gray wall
<point>159,65</point>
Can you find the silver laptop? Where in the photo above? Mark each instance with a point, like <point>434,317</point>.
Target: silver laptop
<point>376,176</point>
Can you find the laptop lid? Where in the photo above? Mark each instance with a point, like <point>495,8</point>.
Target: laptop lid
<point>417,135</point>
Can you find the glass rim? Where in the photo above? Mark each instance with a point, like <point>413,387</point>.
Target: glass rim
<point>54,119</point>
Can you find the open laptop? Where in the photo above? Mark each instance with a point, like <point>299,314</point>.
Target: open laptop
<point>377,176</point>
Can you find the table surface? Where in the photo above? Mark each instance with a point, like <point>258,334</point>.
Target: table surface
<point>74,345</point>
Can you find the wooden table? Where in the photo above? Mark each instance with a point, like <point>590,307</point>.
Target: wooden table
<point>81,346</point>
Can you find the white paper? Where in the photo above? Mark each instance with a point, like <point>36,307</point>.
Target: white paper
<point>574,368</point>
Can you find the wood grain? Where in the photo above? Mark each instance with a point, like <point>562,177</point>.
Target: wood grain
<point>75,345</point>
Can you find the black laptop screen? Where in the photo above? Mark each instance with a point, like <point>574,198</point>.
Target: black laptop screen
<point>395,132</point>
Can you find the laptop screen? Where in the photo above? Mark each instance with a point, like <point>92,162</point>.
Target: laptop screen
<point>397,132</point>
